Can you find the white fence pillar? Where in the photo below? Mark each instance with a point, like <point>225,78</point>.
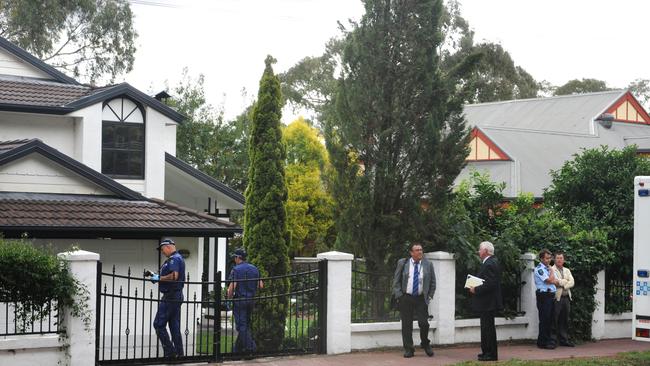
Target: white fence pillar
<point>443,305</point>
<point>598,317</point>
<point>339,301</point>
<point>81,336</point>
<point>528,297</point>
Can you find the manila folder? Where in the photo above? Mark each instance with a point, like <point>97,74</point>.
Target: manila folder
<point>473,281</point>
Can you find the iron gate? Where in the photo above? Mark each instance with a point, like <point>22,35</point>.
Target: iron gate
<point>127,304</point>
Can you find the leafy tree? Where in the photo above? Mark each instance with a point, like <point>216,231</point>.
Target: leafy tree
<point>204,140</point>
<point>519,226</point>
<point>592,191</point>
<point>311,83</point>
<point>265,230</point>
<point>89,38</point>
<point>398,139</point>
<point>485,72</point>
<point>482,72</point>
<point>576,86</point>
<point>641,90</point>
<point>309,207</point>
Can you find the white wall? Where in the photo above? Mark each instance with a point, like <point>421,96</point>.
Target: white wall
<point>88,136</point>
<point>618,325</point>
<point>31,350</point>
<point>154,170</point>
<point>35,173</point>
<point>385,334</point>
<point>56,131</point>
<point>88,147</point>
<point>170,138</point>
<point>12,65</point>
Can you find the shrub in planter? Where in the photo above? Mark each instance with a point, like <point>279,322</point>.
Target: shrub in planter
<point>31,277</point>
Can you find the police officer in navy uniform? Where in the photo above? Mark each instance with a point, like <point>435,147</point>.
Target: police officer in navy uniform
<point>244,281</point>
<point>545,282</point>
<point>170,284</point>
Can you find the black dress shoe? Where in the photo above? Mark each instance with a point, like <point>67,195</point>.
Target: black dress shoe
<point>479,355</point>
<point>487,358</point>
<point>548,346</point>
<point>567,344</point>
<point>427,349</point>
<point>408,353</point>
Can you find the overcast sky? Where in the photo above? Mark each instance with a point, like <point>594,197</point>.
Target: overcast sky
<point>227,40</point>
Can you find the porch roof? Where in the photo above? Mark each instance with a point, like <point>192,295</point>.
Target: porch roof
<point>47,215</point>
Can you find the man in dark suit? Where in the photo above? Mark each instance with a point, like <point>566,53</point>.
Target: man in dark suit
<point>414,284</point>
<point>487,300</point>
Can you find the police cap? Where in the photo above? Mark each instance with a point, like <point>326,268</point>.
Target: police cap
<point>239,252</point>
<point>165,241</point>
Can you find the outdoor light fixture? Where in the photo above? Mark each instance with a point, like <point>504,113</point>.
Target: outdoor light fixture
<point>606,120</point>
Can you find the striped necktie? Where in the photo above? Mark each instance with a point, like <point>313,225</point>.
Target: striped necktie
<point>416,279</point>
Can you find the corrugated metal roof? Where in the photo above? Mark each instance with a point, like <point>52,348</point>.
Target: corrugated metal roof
<point>541,134</point>
<point>570,113</point>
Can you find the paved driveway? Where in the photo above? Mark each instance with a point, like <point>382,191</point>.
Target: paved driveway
<point>452,355</point>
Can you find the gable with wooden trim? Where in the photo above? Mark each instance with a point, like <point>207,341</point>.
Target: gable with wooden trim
<point>484,149</point>
<point>628,109</point>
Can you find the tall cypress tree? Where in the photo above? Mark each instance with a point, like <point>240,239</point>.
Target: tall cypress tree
<point>398,139</point>
<point>266,238</point>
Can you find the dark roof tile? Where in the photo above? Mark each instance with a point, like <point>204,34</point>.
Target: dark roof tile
<point>25,211</point>
<point>41,93</point>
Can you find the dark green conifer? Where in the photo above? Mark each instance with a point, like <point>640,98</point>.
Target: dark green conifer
<point>398,139</point>
<point>266,238</point>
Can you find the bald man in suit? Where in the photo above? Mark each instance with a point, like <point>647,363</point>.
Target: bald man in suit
<point>487,300</point>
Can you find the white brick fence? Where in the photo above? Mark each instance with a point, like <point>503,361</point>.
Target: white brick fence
<point>445,328</point>
<point>77,347</point>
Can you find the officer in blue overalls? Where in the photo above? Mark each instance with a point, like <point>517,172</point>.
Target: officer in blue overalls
<point>170,284</point>
<point>244,281</point>
<point>545,282</point>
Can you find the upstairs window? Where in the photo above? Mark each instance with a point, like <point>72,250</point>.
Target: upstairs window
<point>123,139</point>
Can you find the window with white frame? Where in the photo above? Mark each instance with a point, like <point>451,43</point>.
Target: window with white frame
<point>123,126</point>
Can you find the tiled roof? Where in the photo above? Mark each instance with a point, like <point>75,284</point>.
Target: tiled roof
<point>39,211</point>
<point>41,93</point>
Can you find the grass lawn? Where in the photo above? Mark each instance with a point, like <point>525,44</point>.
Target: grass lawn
<point>204,343</point>
<point>294,329</point>
<point>622,359</point>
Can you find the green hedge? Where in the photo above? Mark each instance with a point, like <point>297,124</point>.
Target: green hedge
<point>32,277</point>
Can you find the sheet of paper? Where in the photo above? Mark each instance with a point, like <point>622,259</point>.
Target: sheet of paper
<point>473,281</point>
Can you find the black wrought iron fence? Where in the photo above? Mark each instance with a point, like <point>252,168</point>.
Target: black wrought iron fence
<point>127,305</point>
<point>371,295</point>
<point>11,323</point>
<point>303,330</point>
<point>618,296</point>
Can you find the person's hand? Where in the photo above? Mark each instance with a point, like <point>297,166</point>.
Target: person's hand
<point>155,278</point>
<point>472,290</point>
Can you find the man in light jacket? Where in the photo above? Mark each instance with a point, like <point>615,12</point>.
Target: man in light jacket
<point>414,284</point>
<point>562,304</point>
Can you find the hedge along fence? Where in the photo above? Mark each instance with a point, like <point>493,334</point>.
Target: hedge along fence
<point>31,279</point>
<point>518,227</point>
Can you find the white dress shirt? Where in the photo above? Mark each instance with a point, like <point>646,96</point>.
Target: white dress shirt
<point>409,284</point>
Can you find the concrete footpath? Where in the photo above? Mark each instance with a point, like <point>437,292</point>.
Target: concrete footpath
<point>455,354</point>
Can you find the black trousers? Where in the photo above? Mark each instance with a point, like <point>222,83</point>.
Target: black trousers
<point>561,312</point>
<point>488,335</point>
<point>410,306</point>
<point>545,302</point>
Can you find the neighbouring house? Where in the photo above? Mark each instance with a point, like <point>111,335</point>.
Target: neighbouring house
<point>96,167</point>
<point>520,141</point>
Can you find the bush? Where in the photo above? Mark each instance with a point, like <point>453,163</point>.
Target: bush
<point>517,227</point>
<point>32,277</point>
